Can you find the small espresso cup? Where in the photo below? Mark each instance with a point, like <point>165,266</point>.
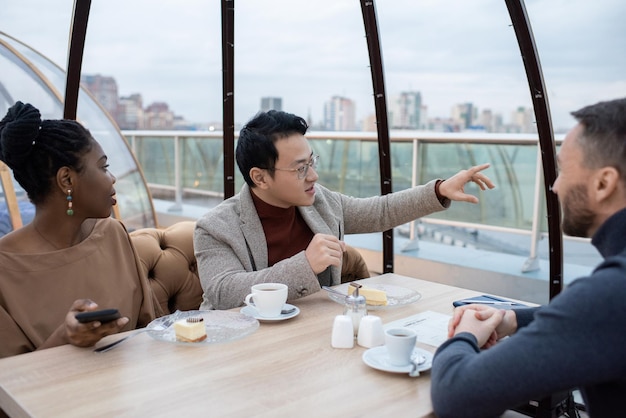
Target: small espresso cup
<point>400,343</point>
<point>267,298</point>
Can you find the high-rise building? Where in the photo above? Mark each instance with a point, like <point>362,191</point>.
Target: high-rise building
<point>130,112</point>
<point>269,103</point>
<point>159,116</point>
<point>489,121</point>
<point>339,114</point>
<point>104,89</point>
<point>405,111</point>
<point>463,114</point>
<point>369,123</point>
<point>486,120</point>
<point>524,118</point>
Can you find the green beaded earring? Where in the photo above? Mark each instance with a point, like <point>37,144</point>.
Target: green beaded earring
<point>70,211</point>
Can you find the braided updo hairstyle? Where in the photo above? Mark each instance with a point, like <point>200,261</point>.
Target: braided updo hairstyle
<point>36,149</point>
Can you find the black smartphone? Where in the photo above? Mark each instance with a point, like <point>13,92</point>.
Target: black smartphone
<point>104,315</point>
<point>494,301</point>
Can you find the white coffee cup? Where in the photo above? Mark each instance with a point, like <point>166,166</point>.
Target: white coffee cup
<point>400,343</point>
<point>371,332</point>
<point>267,298</point>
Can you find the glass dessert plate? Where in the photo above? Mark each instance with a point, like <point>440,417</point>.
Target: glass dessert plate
<point>221,326</point>
<point>396,295</point>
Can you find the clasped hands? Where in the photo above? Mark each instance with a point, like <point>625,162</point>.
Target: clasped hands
<point>486,323</point>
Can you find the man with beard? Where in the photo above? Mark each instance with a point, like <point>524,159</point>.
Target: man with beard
<point>577,340</point>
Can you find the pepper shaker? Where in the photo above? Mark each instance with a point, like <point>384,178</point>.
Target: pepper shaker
<point>355,307</point>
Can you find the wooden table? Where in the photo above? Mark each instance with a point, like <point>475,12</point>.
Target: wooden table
<point>284,369</point>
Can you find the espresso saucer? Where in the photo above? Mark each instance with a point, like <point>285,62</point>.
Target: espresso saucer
<point>378,358</point>
<point>250,311</point>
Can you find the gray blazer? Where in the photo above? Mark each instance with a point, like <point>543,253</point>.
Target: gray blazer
<point>231,250</point>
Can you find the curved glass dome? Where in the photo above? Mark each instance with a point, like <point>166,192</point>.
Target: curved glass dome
<point>28,76</point>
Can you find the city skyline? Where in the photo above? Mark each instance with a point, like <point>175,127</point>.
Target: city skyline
<point>405,111</point>
<point>450,51</point>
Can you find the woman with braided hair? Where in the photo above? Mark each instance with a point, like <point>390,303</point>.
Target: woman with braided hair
<point>73,257</point>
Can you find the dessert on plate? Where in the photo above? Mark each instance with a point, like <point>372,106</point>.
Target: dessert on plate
<point>373,297</point>
<point>190,330</point>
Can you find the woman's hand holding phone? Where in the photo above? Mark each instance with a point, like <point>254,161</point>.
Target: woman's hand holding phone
<point>85,325</point>
<point>103,316</point>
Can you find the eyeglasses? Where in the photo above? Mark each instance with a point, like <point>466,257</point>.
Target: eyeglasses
<point>303,170</point>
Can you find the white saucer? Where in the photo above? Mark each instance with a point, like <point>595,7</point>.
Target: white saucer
<point>250,311</point>
<point>377,358</point>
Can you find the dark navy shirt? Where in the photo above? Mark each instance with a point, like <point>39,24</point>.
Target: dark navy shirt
<point>577,341</point>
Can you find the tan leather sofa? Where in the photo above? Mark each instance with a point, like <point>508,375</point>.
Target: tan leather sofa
<point>168,258</point>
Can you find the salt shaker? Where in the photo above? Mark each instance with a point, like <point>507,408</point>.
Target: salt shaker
<point>342,332</point>
<point>355,307</point>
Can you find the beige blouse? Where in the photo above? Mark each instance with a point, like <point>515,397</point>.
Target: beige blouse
<point>37,290</point>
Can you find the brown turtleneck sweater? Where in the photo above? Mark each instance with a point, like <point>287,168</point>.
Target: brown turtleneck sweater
<point>286,232</point>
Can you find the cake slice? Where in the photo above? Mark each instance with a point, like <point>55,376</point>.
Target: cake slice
<point>373,297</point>
<point>190,330</point>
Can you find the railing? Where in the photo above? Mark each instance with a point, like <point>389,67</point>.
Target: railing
<point>188,164</point>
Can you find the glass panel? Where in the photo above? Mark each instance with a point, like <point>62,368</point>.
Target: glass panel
<point>203,163</point>
<point>134,203</point>
<point>348,166</point>
<point>402,165</point>
<point>513,169</point>
<point>51,72</point>
<point>19,81</point>
<point>156,156</point>
<point>27,210</point>
<point>36,80</point>
<point>351,167</point>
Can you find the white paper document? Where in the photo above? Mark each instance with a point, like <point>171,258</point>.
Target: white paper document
<point>431,327</point>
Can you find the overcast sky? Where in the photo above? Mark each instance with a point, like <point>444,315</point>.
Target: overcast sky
<point>452,51</point>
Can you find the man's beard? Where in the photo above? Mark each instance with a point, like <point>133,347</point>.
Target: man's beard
<point>577,218</point>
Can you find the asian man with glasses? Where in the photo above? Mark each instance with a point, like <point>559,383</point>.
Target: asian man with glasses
<point>285,227</point>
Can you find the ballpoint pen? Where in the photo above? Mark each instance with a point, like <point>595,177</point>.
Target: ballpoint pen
<point>489,302</point>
